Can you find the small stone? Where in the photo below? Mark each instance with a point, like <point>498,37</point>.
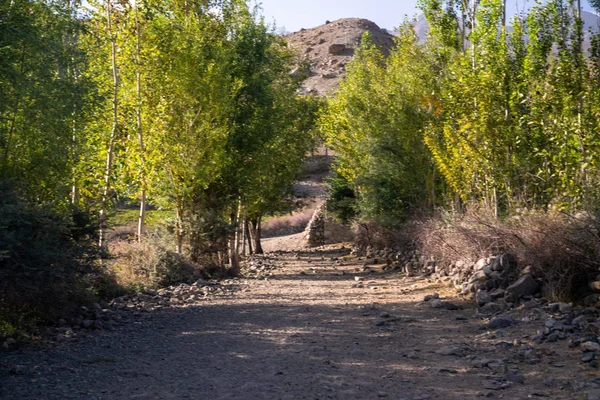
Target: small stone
<point>516,378</point>
<point>87,323</point>
<point>588,357</point>
<point>500,322</point>
<point>590,346</point>
<point>11,342</point>
<point>595,286</point>
<point>18,370</point>
<point>581,321</point>
<point>357,351</point>
<point>382,394</point>
<point>526,285</point>
<point>384,315</point>
<point>565,308</point>
<point>430,297</point>
<point>451,306</point>
<point>359,278</point>
<point>553,337</point>
<point>483,298</point>
<point>437,303</point>
<point>452,351</point>
<point>60,338</point>
<point>549,382</point>
<point>491,385</point>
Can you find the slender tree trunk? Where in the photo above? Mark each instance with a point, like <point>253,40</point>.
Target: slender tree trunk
<point>238,229</point>
<point>247,234</point>
<point>142,214</point>
<point>179,229</point>
<point>234,262</point>
<point>257,234</point>
<point>504,11</point>
<point>113,133</point>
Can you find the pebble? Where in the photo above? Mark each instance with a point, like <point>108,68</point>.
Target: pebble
<point>430,297</point>
<point>18,370</point>
<point>500,322</point>
<point>588,357</point>
<point>590,346</point>
<point>452,351</point>
<point>516,378</point>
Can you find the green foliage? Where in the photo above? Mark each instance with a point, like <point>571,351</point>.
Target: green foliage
<point>48,257</point>
<point>341,203</point>
<point>374,122</point>
<point>190,105</point>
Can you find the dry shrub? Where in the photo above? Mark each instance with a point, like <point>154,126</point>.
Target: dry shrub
<point>151,264</point>
<point>337,233</point>
<point>371,234</point>
<point>561,249</point>
<point>288,224</point>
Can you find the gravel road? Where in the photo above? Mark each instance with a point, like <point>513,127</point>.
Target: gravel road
<point>321,327</point>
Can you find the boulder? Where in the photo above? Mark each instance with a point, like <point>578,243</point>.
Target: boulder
<point>504,262</point>
<point>482,297</point>
<point>595,286</point>
<point>526,285</point>
<point>478,277</point>
<point>337,49</point>
<point>479,265</point>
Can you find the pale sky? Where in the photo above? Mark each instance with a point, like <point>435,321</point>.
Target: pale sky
<point>296,14</point>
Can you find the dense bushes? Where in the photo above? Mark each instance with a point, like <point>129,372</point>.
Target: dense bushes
<point>152,264</point>
<point>47,257</point>
<point>497,114</point>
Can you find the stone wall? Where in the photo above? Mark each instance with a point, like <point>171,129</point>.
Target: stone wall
<point>315,231</point>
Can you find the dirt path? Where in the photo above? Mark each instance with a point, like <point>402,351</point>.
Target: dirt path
<point>310,331</point>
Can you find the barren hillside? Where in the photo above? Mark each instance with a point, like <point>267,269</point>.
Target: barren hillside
<point>331,46</point>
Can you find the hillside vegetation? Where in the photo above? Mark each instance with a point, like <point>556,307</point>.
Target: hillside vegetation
<point>187,108</point>
<point>493,115</point>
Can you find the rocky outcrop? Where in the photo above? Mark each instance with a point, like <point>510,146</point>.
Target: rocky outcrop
<point>328,49</point>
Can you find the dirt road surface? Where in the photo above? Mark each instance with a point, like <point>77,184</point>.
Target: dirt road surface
<point>321,327</point>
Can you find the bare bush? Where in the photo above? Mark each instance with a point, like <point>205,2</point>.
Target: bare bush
<point>288,224</point>
<point>151,264</point>
<point>562,250</point>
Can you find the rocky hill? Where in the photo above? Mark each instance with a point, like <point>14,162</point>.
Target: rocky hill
<point>331,46</point>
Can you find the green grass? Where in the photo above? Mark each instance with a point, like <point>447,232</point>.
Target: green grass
<point>130,216</point>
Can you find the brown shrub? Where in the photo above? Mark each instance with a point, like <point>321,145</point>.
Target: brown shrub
<point>288,224</point>
<point>561,249</point>
<point>151,264</point>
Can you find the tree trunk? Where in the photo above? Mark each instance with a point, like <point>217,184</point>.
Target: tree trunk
<point>179,230</point>
<point>234,261</point>
<point>257,233</point>
<point>247,234</point>
<point>142,214</point>
<point>113,133</point>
